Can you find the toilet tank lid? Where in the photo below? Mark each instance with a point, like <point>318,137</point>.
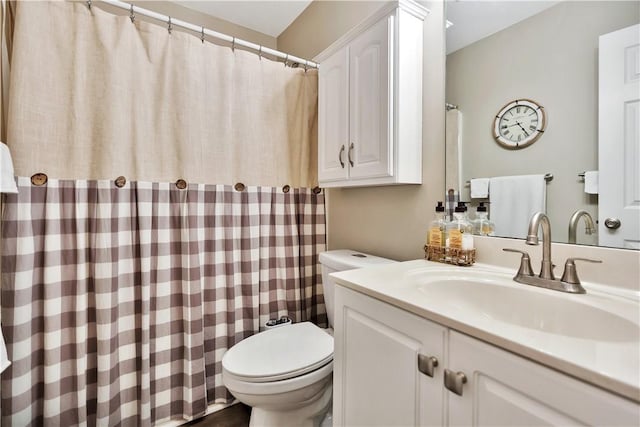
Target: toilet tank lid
<point>347,259</point>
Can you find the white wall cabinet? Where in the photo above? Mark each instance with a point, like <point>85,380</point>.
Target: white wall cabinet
<point>377,380</point>
<point>370,101</point>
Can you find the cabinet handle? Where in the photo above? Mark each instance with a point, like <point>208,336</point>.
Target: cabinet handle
<point>349,154</point>
<point>340,156</point>
<point>454,381</point>
<point>427,364</point>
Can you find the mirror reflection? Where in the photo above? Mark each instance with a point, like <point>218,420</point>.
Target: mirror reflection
<point>543,103</point>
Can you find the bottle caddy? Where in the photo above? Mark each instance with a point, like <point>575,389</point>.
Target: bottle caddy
<point>451,242</point>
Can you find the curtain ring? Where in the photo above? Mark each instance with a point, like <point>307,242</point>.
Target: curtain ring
<point>233,45</point>
<point>306,65</point>
<point>89,4</point>
<point>132,15</point>
<point>260,52</point>
<point>286,59</point>
<point>202,35</point>
<point>169,26</point>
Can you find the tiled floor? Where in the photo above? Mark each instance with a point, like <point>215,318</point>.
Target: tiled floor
<point>233,416</point>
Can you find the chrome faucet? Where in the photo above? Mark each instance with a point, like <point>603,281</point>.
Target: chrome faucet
<point>540,219</point>
<point>569,282</point>
<point>590,227</point>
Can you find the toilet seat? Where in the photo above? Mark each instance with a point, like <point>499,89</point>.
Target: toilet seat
<point>279,354</point>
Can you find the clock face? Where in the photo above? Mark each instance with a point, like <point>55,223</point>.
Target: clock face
<point>519,124</point>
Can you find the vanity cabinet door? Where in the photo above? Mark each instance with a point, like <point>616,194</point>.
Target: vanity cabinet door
<point>376,377</point>
<point>333,117</point>
<point>503,389</point>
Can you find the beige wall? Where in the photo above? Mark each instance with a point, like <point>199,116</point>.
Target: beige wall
<point>194,17</point>
<point>387,221</point>
<point>551,58</point>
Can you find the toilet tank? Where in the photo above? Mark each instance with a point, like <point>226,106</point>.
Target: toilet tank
<point>341,260</point>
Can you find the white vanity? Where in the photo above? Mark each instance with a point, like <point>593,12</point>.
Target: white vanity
<point>510,354</point>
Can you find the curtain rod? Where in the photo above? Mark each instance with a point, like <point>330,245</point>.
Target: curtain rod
<point>171,22</point>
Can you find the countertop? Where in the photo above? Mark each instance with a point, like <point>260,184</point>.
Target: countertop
<point>612,364</point>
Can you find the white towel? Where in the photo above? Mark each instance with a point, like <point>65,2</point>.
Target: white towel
<point>479,188</point>
<point>514,199</point>
<point>4,360</point>
<point>591,182</point>
<point>7,181</point>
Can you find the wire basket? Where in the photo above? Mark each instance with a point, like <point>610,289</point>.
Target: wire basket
<point>462,257</point>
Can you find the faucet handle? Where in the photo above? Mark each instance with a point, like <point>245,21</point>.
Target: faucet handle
<point>525,262</point>
<point>570,274</point>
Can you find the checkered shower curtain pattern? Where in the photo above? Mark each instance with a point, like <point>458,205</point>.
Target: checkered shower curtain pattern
<point>118,303</point>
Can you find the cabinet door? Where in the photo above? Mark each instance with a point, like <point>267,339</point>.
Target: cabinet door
<point>376,376</point>
<point>333,117</point>
<point>503,389</point>
<point>370,113</point>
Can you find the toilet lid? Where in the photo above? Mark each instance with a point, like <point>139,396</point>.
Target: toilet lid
<point>280,353</point>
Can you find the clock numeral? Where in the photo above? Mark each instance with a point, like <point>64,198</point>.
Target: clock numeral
<point>504,126</point>
<point>506,132</point>
<point>518,110</point>
<point>532,128</point>
<point>519,137</point>
<point>505,119</point>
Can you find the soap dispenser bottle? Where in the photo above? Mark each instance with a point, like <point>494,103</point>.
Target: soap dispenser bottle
<point>482,226</point>
<point>437,228</point>
<point>460,230</point>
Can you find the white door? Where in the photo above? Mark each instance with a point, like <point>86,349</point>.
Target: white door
<point>370,86</point>
<point>619,139</point>
<point>376,377</point>
<point>503,389</point>
<point>333,117</point>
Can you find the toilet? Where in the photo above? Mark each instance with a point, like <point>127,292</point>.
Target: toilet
<point>285,373</point>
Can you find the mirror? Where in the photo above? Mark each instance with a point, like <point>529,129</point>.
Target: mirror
<point>547,52</point>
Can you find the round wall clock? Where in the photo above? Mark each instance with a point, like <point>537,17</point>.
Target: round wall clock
<point>519,124</point>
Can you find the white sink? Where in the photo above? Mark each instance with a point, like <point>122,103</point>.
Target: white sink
<point>495,297</point>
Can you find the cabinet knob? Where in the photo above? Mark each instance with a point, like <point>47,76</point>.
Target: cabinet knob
<point>349,154</point>
<point>612,223</point>
<point>454,381</point>
<point>340,156</point>
<point>427,364</point>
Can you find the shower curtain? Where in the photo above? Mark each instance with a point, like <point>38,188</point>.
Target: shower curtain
<point>119,302</point>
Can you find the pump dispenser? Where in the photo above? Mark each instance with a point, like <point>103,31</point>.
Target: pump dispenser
<point>482,226</point>
<point>460,230</point>
<point>437,228</point>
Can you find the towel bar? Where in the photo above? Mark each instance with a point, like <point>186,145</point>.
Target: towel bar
<point>547,177</point>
